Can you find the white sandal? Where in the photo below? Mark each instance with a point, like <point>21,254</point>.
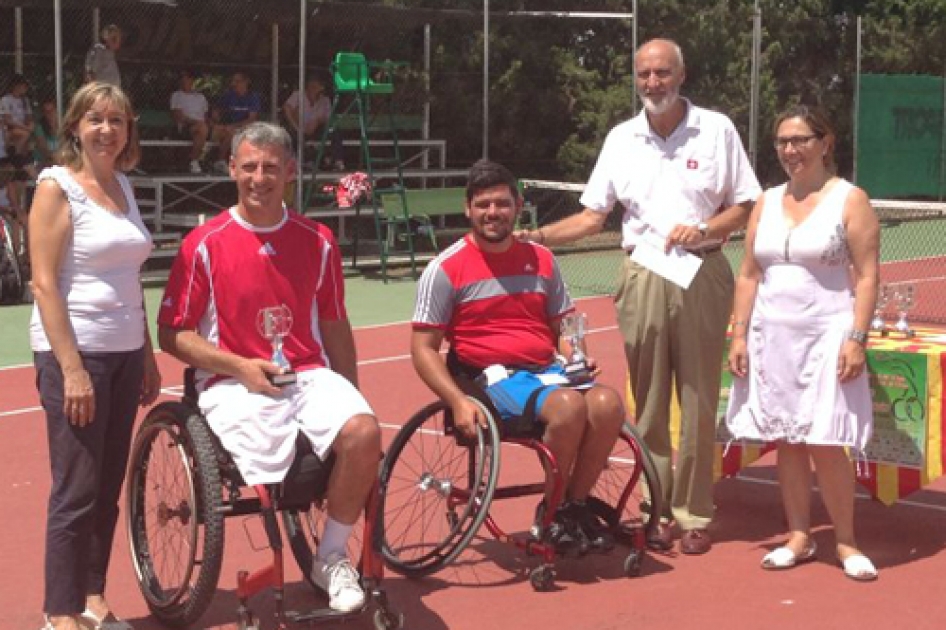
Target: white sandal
<point>108,622</point>
<point>80,620</point>
<point>859,568</point>
<point>784,558</point>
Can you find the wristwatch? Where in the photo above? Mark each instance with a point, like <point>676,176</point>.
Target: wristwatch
<point>859,336</point>
<point>703,228</point>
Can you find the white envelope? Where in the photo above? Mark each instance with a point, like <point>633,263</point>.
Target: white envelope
<point>678,265</point>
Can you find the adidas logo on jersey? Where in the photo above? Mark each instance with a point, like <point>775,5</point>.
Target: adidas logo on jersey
<point>267,250</point>
<point>529,268</point>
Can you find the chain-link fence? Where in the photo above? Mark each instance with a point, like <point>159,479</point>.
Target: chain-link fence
<point>557,77</point>
<point>538,93</point>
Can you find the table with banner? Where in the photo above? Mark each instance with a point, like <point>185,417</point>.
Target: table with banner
<point>906,450</point>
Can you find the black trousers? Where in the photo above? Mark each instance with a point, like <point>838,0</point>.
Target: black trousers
<point>88,468</point>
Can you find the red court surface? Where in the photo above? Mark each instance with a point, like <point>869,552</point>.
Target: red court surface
<point>488,586</point>
<point>928,277</point>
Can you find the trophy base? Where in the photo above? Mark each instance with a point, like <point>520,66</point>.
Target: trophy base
<point>578,373</point>
<point>281,380</point>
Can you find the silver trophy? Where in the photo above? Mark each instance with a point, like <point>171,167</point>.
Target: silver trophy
<point>274,323</point>
<point>574,327</point>
<point>905,299</point>
<point>877,324</point>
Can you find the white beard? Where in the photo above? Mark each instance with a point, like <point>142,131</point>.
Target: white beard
<point>658,108</point>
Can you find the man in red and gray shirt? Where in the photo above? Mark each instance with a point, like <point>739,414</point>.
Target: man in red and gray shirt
<point>499,303</point>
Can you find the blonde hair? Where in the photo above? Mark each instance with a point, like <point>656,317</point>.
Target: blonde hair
<point>70,151</point>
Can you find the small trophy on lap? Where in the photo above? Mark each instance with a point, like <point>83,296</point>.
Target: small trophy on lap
<point>574,327</point>
<point>274,324</point>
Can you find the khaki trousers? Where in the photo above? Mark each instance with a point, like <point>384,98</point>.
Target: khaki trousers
<point>676,336</point>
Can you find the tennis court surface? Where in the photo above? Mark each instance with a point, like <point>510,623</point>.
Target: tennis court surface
<point>488,586</point>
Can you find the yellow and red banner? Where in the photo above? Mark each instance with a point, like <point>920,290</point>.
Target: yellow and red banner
<point>906,450</point>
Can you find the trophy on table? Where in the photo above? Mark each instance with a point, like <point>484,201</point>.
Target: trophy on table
<point>574,327</point>
<point>877,324</point>
<point>905,299</point>
<point>274,323</point>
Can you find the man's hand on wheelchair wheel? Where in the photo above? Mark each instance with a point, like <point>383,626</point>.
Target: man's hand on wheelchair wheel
<point>466,415</point>
<point>253,374</point>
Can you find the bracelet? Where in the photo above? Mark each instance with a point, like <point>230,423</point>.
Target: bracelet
<point>860,336</point>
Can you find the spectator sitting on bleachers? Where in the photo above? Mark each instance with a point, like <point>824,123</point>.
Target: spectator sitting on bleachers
<point>16,116</point>
<point>100,62</point>
<point>189,108</point>
<point>313,111</point>
<point>46,135</point>
<point>237,108</point>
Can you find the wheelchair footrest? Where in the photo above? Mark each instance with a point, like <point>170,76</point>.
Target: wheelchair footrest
<point>323,615</point>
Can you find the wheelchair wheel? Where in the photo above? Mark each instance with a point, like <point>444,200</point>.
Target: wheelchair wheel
<point>303,531</point>
<point>175,525</point>
<point>435,490</point>
<point>12,283</point>
<point>628,492</point>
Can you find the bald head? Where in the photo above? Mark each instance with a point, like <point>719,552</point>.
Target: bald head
<point>663,47</point>
<point>658,75</point>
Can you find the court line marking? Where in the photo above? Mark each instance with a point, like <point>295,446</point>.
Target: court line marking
<point>356,329</point>
<point>177,390</point>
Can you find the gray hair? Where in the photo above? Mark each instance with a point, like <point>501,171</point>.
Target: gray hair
<point>264,134</point>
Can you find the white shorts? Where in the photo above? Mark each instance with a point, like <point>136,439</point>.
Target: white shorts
<point>260,431</point>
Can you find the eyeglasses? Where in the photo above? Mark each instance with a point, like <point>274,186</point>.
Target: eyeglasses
<point>795,141</point>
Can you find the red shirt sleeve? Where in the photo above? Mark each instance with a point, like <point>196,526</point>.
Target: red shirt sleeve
<point>330,293</point>
<point>187,292</point>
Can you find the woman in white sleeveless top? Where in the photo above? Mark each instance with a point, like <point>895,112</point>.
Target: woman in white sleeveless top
<point>803,303</point>
<point>89,334</point>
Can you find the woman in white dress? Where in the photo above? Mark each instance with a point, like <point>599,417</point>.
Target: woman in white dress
<point>803,303</point>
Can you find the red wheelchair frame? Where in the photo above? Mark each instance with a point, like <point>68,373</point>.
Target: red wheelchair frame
<point>182,485</point>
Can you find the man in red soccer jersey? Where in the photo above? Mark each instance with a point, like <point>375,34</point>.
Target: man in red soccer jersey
<point>500,302</point>
<point>257,258</point>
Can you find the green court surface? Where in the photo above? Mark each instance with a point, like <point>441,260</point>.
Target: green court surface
<point>370,302</point>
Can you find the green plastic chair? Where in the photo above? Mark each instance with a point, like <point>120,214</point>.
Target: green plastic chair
<point>352,73</point>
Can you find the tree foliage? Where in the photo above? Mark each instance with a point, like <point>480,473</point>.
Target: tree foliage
<point>558,86</point>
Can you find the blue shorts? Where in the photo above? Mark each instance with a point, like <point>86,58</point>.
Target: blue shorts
<point>511,395</point>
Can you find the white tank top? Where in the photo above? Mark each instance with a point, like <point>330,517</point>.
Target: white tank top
<point>100,272</point>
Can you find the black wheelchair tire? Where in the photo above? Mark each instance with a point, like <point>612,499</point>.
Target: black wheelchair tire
<point>483,474</point>
<point>183,600</point>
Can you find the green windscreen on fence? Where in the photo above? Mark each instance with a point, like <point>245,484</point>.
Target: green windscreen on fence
<point>900,139</point>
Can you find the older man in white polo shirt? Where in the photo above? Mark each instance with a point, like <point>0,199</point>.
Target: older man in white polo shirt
<point>681,173</point>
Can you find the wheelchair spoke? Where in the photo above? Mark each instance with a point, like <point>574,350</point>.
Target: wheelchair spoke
<point>175,527</point>
<point>432,492</point>
<point>624,492</point>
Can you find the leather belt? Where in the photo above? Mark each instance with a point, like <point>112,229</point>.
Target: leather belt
<point>702,253</point>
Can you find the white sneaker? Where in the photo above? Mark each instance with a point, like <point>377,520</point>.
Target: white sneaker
<point>195,167</point>
<point>221,167</point>
<point>338,578</point>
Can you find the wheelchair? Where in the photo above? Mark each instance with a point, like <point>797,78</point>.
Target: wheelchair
<point>436,488</point>
<point>181,486</point>
<point>13,274</point>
